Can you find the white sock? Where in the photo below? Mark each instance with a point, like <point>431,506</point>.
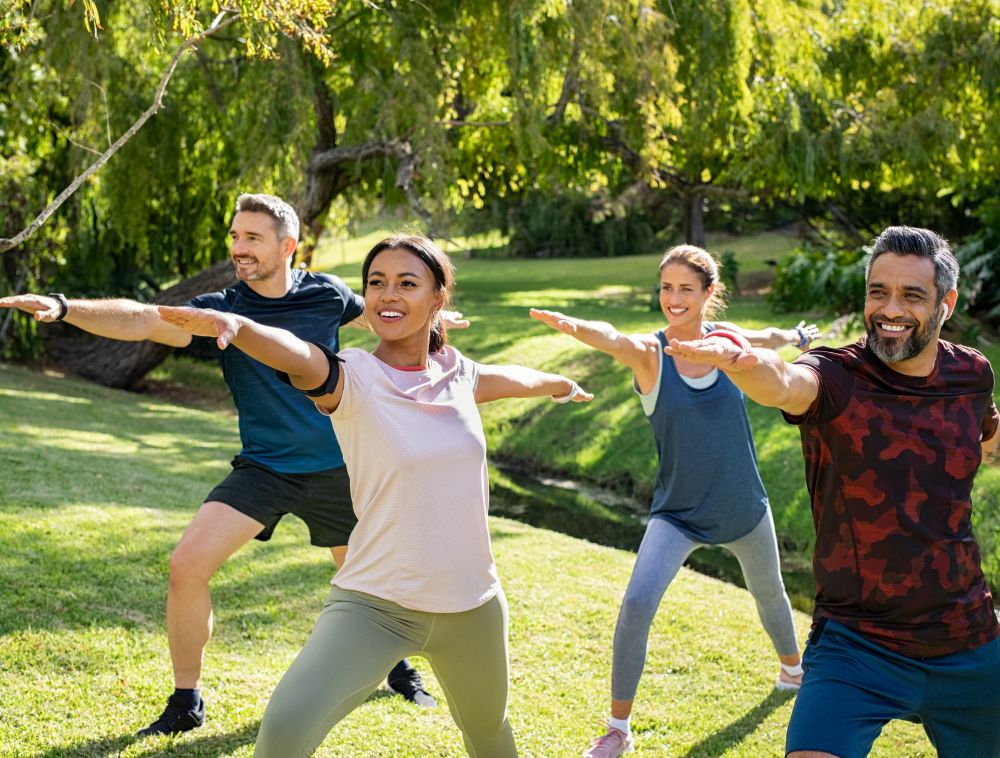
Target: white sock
<point>795,670</point>
<point>620,724</point>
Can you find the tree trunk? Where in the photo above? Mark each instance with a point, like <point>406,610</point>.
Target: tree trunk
<point>323,183</point>
<point>694,220</point>
<point>120,364</point>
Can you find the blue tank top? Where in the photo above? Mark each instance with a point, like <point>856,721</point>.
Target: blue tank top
<point>279,426</point>
<point>707,483</point>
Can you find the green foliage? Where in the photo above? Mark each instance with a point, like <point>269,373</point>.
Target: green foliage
<point>729,270</point>
<point>572,225</point>
<point>979,259</point>
<point>820,277</point>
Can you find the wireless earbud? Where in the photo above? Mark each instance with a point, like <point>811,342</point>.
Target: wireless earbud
<point>944,314</point>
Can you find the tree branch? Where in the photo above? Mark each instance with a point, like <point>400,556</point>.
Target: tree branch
<point>221,22</point>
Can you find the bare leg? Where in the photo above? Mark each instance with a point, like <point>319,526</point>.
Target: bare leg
<point>621,709</point>
<point>216,532</point>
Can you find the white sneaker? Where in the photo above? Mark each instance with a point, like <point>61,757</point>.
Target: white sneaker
<point>788,682</point>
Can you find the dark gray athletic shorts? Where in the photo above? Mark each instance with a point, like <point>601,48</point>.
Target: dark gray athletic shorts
<point>321,499</point>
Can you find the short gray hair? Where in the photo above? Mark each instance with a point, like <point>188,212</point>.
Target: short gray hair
<point>286,220</point>
<point>911,240</point>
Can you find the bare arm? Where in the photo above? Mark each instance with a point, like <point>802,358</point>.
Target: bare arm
<point>991,449</point>
<point>306,365</point>
<point>774,337</point>
<point>116,319</point>
<point>498,382</point>
<point>762,374</point>
<point>640,352</point>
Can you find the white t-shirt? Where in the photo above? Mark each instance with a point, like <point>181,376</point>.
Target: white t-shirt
<point>414,446</point>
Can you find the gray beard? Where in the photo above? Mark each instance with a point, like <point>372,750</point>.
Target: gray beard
<point>890,350</point>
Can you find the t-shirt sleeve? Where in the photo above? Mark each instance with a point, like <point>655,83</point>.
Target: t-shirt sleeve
<point>358,379</point>
<point>835,382</point>
<point>354,305</point>
<point>471,369</point>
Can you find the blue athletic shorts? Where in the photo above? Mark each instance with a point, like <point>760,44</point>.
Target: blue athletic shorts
<point>853,687</point>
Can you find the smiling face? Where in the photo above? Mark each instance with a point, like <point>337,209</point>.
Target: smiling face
<point>683,295</point>
<point>401,296</point>
<point>902,311</point>
<point>255,249</point>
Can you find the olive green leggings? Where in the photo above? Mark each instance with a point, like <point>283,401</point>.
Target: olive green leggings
<point>358,638</point>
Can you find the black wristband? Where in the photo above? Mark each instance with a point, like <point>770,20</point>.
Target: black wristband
<point>331,380</point>
<point>63,305</point>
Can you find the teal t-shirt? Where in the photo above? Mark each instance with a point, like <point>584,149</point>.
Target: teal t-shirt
<point>280,427</point>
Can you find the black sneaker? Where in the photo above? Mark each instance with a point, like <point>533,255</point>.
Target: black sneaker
<point>408,683</point>
<point>176,718</point>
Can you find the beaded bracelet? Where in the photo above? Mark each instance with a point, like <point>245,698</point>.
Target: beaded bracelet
<point>803,338</point>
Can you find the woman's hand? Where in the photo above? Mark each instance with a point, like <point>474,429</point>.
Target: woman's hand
<point>807,333</point>
<point>203,322</point>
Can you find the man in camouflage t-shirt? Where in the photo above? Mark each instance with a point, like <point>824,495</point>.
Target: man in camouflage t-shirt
<point>893,429</point>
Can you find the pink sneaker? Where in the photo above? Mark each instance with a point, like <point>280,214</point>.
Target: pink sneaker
<point>611,744</point>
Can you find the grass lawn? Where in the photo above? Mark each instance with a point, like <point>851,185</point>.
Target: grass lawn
<point>95,488</point>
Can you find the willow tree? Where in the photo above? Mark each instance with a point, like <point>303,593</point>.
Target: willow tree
<point>108,198</point>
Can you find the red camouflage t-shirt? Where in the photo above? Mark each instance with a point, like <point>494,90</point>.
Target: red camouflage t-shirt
<point>890,461</point>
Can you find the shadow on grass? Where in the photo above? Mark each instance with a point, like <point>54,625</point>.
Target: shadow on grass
<point>186,745</point>
<point>722,741</point>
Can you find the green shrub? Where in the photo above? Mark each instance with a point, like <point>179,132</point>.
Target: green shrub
<point>979,258</point>
<point>812,278</point>
<point>573,225</point>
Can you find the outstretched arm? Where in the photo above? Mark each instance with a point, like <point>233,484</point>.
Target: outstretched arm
<point>802,335</point>
<point>640,352</point>
<point>306,365</point>
<point>116,319</point>
<point>498,382</point>
<point>762,374</point>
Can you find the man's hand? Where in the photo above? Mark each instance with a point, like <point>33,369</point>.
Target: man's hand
<point>714,351</point>
<point>45,309</point>
<point>203,322</point>
<point>453,319</point>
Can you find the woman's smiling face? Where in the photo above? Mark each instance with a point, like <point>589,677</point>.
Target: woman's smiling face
<point>682,294</point>
<point>401,295</point>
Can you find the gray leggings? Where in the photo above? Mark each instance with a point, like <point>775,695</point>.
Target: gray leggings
<point>663,551</point>
<point>358,638</point>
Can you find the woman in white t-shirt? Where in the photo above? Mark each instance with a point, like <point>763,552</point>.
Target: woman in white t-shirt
<point>419,576</point>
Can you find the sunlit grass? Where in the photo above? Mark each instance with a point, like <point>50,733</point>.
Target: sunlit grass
<point>85,537</point>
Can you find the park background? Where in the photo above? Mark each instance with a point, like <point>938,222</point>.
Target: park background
<point>556,150</point>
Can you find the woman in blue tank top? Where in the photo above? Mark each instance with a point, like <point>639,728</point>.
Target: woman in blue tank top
<point>708,490</point>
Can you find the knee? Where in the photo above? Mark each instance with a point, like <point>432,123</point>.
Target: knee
<point>491,740</point>
<point>637,608</point>
<point>281,731</point>
<point>770,594</point>
<point>188,565</point>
